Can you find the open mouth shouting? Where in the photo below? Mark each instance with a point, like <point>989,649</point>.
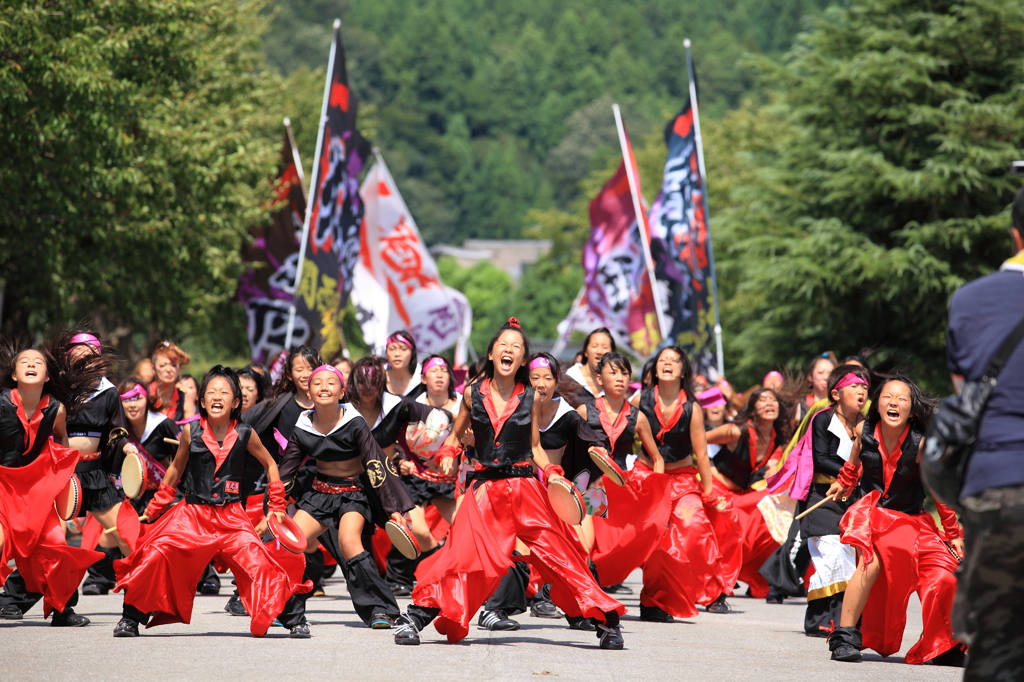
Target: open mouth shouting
<point>506,361</point>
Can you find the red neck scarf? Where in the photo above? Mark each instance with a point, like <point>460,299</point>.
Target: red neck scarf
<point>890,459</point>
<point>219,451</point>
<point>31,426</point>
<point>613,430</point>
<point>171,409</point>
<point>752,448</point>
<point>660,411</point>
<point>497,422</point>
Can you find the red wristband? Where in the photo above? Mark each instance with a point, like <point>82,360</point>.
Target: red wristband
<point>849,475</point>
<point>275,492</point>
<point>446,451</point>
<point>161,500</point>
<point>552,469</point>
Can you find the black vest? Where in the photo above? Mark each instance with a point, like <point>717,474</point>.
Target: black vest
<point>624,445</point>
<point>735,464</point>
<point>206,483</point>
<point>676,445</point>
<point>12,433</point>
<point>906,492</point>
<point>510,446</point>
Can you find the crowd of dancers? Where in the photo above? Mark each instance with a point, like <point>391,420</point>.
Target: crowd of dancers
<point>806,488</point>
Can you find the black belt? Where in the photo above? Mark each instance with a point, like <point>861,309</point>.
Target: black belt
<point>500,473</point>
<point>85,434</point>
<point>89,465</point>
<point>195,499</point>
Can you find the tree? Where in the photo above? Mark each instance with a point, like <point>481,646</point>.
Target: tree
<point>888,188</point>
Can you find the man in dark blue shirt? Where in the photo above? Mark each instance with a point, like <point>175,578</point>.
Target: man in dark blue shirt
<point>990,593</point>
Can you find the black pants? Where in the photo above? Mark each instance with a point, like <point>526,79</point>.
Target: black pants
<point>510,596</point>
<point>785,568</point>
<point>16,594</point>
<point>295,608</point>
<point>400,570</point>
<point>101,573</point>
<point>990,586</point>
<point>823,615</point>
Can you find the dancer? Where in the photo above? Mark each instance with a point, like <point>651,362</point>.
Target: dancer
<point>349,465</point>
<point>597,343</point>
<point>689,567</point>
<point>168,398</point>
<point>254,387</point>
<point>403,377</point>
<point>38,388</point>
<point>160,576</point>
<point>505,501</point>
<point>751,447</point>
<point>899,549</point>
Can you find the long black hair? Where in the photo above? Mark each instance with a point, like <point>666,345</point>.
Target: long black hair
<point>236,389</point>
<point>523,373</point>
<point>782,421</point>
<point>600,330</point>
<point>70,380</point>
<point>368,372</point>
<point>686,380</point>
<point>285,383</point>
<point>257,378</point>
<point>922,406</point>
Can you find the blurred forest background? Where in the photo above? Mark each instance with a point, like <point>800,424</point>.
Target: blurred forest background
<point>856,152</point>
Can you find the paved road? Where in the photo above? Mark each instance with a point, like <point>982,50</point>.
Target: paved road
<point>757,642</point>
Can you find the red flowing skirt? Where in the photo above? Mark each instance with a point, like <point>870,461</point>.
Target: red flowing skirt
<point>161,574</point>
<point>638,514</point>
<point>914,559</point>
<point>33,535</point>
<point>686,567</point>
<point>459,577</point>
<point>756,541</point>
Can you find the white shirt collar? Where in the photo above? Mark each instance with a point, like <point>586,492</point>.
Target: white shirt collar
<point>153,420</point>
<point>305,421</point>
<point>563,408</point>
<point>845,442</point>
<point>105,385</point>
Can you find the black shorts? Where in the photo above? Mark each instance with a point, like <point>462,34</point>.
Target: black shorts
<point>98,493</point>
<point>328,507</point>
<point>423,491</point>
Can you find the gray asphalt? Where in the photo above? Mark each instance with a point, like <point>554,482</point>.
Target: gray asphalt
<point>757,642</point>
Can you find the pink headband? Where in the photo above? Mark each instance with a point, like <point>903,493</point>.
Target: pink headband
<point>400,338</point>
<point>87,339</point>
<point>849,380</point>
<point>541,362</point>
<point>712,397</point>
<point>434,362</point>
<point>328,368</point>
<point>772,375</point>
<point>134,391</point>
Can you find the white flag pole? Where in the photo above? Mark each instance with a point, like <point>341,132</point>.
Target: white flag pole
<point>707,208</point>
<point>295,157</point>
<point>313,182</point>
<point>639,210</point>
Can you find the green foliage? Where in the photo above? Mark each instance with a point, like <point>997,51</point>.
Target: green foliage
<point>490,292</point>
<point>874,186</point>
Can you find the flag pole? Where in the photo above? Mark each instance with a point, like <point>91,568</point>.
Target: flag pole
<point>640,218</point>
<point>295,157</point>
<point>313,181</point>
<point>707,209</point>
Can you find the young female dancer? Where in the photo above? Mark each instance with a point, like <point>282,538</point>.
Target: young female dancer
<point>254,388</point>
<point>688,568</point>
<point>899,549</point>
<point>36,385</point>
<point>159,578</point>
<point>403,369</point>
<point>505,501</point>
<point>597,343</point>
<point>349,465</point>
<point>168,399</point>
<point>388,415</point>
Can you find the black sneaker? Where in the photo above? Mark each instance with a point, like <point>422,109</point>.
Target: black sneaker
<point>126,627</point>
<point>93,590</point>
<point>774,597</point>
<point>618,589</point>
<point>845,644</point>
<point>11,613</point>
<point>718,606</point>
<point>68,619</point>
<point>400,590</point>
<point>381,621</point>
<point>954,657</point>
<point>652,614</point>
<point>210,588</point>
<point>235,606</point>
<point>610,637</point>
<point>406,631</point>
<point>580,623</point>
<point>300,631</point>
<point>496,620</point>
<point>544,609</point>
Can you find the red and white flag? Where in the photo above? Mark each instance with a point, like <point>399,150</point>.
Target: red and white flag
<point>397,284</point>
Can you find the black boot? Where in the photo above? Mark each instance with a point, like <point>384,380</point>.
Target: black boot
<point>955,657</point>
<point>845,644</point>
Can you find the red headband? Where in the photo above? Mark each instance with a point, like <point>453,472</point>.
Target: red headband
<point>134,391</point>
<point>328,368</point>
<point>540,362</point>
<point>87,339</point>
<point>434,362</point>
<point>400,338</point>
<point>849,380</point>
